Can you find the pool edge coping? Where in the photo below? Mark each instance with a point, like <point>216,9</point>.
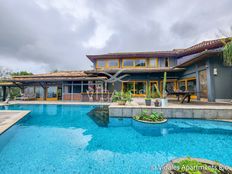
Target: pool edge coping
<point>20,115</point>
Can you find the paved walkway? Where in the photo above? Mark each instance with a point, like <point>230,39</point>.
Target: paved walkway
<point>9,118</point>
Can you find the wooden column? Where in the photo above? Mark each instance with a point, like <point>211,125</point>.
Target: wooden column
<point>4,93</point>
<point>72,92</point>
<point>62,94</point>
<point>198,83</point>
<point>45,92</point>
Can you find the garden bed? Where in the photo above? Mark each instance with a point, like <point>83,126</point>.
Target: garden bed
<point>195,166</point>
<point>154,117</point>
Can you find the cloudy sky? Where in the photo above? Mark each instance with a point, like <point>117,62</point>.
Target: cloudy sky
<point>44,35</point>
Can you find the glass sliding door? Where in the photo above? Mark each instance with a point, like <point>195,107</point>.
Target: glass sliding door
<point>188,84</point>
<point>137,88</point>
<point>39,92</point>
<point>128,87</point>
<point>170,85</point>
<point>153,89</point>
<point>140,88</point>
<point>52,93</point>
<point>203,84</point>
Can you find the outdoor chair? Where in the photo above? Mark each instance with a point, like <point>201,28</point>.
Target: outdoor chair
<point>26,97</point>
<point>184,94</point>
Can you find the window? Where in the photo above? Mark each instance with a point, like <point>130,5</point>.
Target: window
<point>134,62</point>
<point>101,63</point>
<point>140,87</point>
<point>140,63</point>
<point>39,91</point>
<point>67,89</point>
<point>128,86</point>
<point>153,62</point>
<point>153,89</point>
<point>137,88</point>
<point>170,85</point>
<point>52,92</point>
<point>166,62</point>
<point>76,88</point>
<point>191,85</point>
<point>182,85</point>
<point>188,84</point>
<point>128,62</point>
<point>113,63</point>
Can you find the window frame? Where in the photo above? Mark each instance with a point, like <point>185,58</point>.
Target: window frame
<point>97,63</point>
<point>136,81</point>
<point>186,85</point>
<point>153,82</point>
<point>134,66</point>
<point>156,59</point>
<point>106,65</point>
<point>168,61</point>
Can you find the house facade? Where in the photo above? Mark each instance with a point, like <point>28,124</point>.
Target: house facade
<point>198,69</point>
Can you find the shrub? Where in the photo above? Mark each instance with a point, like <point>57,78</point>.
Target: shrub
<point>122,96</point>
<point>191,166</point>
<point>153,117</point>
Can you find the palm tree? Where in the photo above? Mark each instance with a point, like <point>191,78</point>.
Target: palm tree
<point>227,51</point>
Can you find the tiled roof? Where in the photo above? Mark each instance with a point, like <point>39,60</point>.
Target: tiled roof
<point>206,45</point>
<point>57,76</point>
<point>203,46</point>
<point>137,70</point>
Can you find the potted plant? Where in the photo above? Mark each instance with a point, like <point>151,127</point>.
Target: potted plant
<point>148,97</point>
<point>121,97</point>
<point>163,97</point>
<point>157,103</point>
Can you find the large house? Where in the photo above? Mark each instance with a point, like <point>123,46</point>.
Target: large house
<point>198,69</point>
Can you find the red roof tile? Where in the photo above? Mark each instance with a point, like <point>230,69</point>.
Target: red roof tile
<point>206,45</point>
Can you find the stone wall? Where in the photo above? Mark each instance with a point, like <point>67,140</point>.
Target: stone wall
<point>202,113</point>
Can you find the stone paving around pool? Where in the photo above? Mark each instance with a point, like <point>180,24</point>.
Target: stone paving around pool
<point>220,112</point>
<point>9,118</point>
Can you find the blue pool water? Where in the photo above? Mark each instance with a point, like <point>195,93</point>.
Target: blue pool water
<point>64,139</point>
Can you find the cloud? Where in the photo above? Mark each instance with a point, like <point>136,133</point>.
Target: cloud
<point>50,34</point>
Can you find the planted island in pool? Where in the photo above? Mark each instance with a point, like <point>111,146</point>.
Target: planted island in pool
<point>154,117</point>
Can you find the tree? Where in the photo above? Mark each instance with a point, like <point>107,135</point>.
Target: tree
<point>227,54</point>
<point>21,73</point>
<point>227,50</point>
<point>5,73</point>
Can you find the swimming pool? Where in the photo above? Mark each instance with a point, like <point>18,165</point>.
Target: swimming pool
<point>64,139</point>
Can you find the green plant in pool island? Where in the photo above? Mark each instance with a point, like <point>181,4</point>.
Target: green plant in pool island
<point>122,97</point>
<point>190,166</point>
<point>153,117</point>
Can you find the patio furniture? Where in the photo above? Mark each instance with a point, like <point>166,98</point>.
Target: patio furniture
<point>184,94</point>
<point>26,97</point>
